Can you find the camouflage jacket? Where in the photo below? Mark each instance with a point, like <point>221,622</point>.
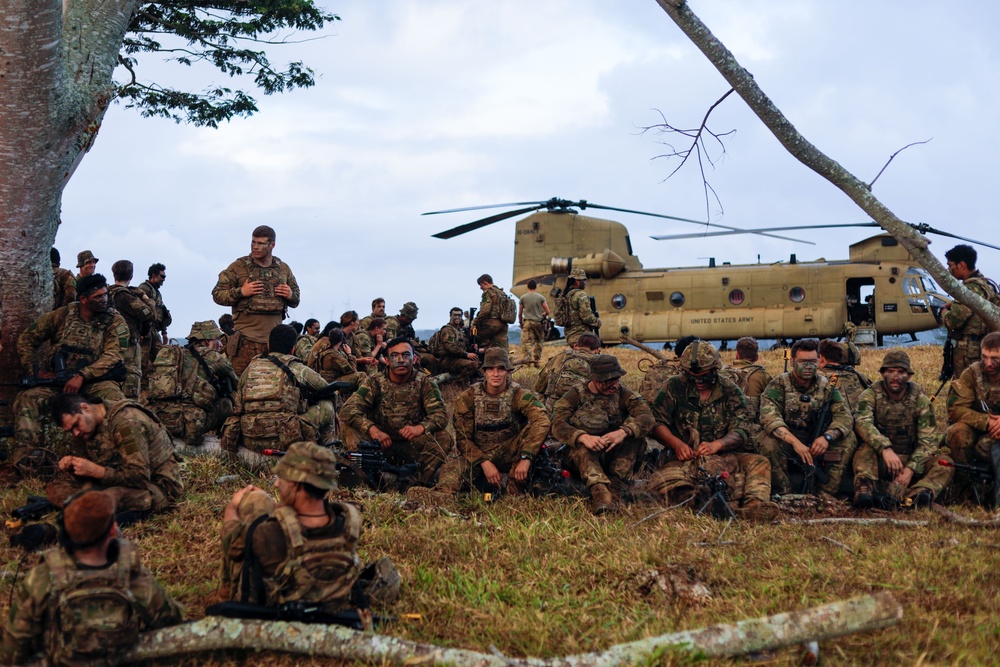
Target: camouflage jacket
<point>581,412</point>
<point>960,320</point>
<point>255,316</point>
<point>92,347</point>
<point>754,378</point>
<point>389,406</point>
<point>303,346</point>
<point>489,305</point>
<point>656,377</point>
<point>781,405</point>
<point>336,365</point>
<point>450,342</point>
<point>484,424</point>
<point>568,369</point>
<point>850,383</point>
<point>266,374</point>
<point>394,328</point>
<point>137,315</point>
<point>63,287</point>
<point>906,426</point>
<point>312,361</point>
<point>30,622</point>
<point>972,397</point>
<point>678,407</point>
<point>162,315</point>
<point>581,316</point>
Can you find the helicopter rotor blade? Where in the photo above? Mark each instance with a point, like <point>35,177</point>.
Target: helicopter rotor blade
<point>480,208</point>
<point>669,237</point>
<point>472,226</point>
<point>924,228</point>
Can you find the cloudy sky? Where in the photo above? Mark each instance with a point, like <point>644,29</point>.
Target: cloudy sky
<point>438,104</point>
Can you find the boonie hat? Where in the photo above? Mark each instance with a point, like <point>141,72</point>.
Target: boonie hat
<point>207,330</point>
<point>308,462</point>
<point>84,257</point>
<point>604,367</point>
<point>578,274</point>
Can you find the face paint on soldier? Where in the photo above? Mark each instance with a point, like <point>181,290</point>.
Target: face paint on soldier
<point>456,319</point>
<point>605,387</point>
<point>400,361</point>
<point>805,365</point>
<point>260,248</point>
<point>82,424</point>
<point>158,279</point>
<point>88,267</point>
<point>705,380</point>
<point>991,363</point>
<point>286,491</point>
<point>895,380</point>
<point>96,302</point>
<point>496,380</point>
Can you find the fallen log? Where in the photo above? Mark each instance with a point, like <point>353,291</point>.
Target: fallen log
<point>862,614</point>
<point>964,520</point>
<point>846,520</point>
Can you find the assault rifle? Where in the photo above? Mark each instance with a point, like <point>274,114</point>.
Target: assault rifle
<point>326,393</point>
<point>978,474</point>
<point>947,366</point>
<point>820,423</point>
<point>300,612</point>
<point>593,309</point>
<point>375,470</point>
<point>548,477</point>
<point>61,375</point>
<point>33,510</point>
<point>471,339</point>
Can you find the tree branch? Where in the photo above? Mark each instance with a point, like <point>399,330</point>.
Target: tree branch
<point>892,157</point>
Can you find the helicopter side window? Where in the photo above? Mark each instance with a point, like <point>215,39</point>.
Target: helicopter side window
<point>618,301</point>
<point>797,294</point>
<point>677,299</point>
<point>736,297</point>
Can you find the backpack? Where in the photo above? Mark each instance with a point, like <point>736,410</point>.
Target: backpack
<point>93,614</point>
<point>561,314</point>
<point>508,308</point>
<point>434,344</point>
<point>166,381</point>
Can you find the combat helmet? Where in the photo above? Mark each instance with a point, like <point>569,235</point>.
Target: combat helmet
<point>207,330</point>
<point>409,309</point>
<point>700,356</point>
<point>896,359</point>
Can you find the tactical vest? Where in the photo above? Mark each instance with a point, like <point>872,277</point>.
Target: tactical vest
<point>975,326</point>
<point>986,392</point>
<point>578,300</point>
<point>743,382</point>
<point>798,413</point>
<point>272,402</point>
<point>317,570</point>
<point>93,616</point>
<point>398,405</point>
<point>896,420</point>
<point>81,342</point>
<point>574,369</point>
<point>267,302</point>
<point>160,448</point>
<point>597,414</point>
<point>133,325</point>
<point>495,422</point>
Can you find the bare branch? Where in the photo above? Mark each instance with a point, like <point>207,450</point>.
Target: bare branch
<point>891,157</point>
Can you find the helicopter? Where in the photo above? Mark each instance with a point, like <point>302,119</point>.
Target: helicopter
<point>879,290</point>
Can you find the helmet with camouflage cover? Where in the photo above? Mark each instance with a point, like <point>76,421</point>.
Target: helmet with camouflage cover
<point>309,463</point>
<point>207,330</point>
<point>409,309</point>
<point>578,274</point>
<point>896,359</point>
<point>700,356</point>
<point>496,357</point>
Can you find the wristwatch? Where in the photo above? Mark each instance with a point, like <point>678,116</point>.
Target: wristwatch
<point>829,438</point>
<point>527,457</point>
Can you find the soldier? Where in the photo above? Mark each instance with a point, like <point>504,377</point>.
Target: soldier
<point>664,369</point>
<point>566,369</point>
<point>260,288</point>
<point>702,417</point>
<point>973,433</point>
<point>604,424</point>
<point>450,350</point>
<point>489,324</point>
<point>850,381</point>
<point>191,387</point>
<point>89,340</point>
<point>334,364</point>
<point>401,325</point>
<point>499,428</point>
<point>87,263</point>
<point>310,334</point>
<point>966,328</point>
<point>156,335</point>
<point>754,378</point>
<point>402,410</point>
<point>271,407</point>
<point>350,324</point>
<point>89,598</point>
<point>126,452</point>
<point>369,346</point>
<point>580,317</point>
<point>531,314</point>
<point>137,310</point>
<point>897,444</point>
<point>789,408</point>
<point>378,310</point>
<point>63,282</point>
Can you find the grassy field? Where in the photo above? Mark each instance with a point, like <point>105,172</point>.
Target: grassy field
<point>542,577</point>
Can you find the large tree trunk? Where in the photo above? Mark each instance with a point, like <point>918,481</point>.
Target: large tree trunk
<point>56,64</point>
<point>743,83</point>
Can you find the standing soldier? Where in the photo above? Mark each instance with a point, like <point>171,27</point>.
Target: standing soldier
<point>138,312</point>
<point>499,428</point>
<point>850,381</point>
<point>897,444</point>
<point>604,424</point>
<point>532,313</point>
<point>260,288</point>
<point>87,263</point>
<point>403,411</point>
<point>490,323</point>
<point>57,606</point>
<point>88,340</point>
<point>566,369</point>
<point>973,433</point>
<point>63,282</point>
<point>580,316</point>
<point>450,351</point>
<point>702,417</point>
<point>965,328</point>
<point>789,409</point>
<point>191,387</point>
<point>401,326</point>
<point>156,337</point>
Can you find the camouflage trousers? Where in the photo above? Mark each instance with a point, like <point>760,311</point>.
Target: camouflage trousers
<point>965,353</point>
<point>159,493</point>
<point>781,454</point>
<point>149,346</point>
<point>457,366</point>
<point>870,468</point>
<point>749,476</point>
<point>458,471</point>
<point>278,430</point>
<point>133,372</point>
<point>492,333</point>
<point>429,362</point>
<point>246,351</point>
<point>607,466</point>
<point>189,422</point>
<point>32,403</point>
<point>967,444</point>
<point>532,335</point>
<point>573,333</point>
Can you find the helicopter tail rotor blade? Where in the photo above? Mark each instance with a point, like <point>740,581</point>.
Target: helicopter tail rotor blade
<point>472,226</point>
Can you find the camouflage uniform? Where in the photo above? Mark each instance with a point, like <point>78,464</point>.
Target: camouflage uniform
<point>152,341</point>
<point>94,348</point>
<point>335,365</point>
<point>561,373</point>
<point>907,427</point>
<point>581,317</point>
<point>139,317</point>
<point>33,624</point>
<point>312,361</point>
<point>678,407</point>
<point>753,380</point>
<point>966,328</point>
<point>656,377</point>
<point>449,348</point>
<point>532,329</point>
<point>850,383</point>
<point>501,429</point>
<point>382,403</point>
<point>969,398</point>
<point>141,470</point>
<point>395,328</point>
<point>303,346</point>
<point>781,406</point>
<point>63,287</point>
<point>363,346</point>
<point>253,316</point>
<point>581,412</point>
<point>491,331</point>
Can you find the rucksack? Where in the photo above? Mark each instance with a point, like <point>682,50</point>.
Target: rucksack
<point>434,344</point>
<point>93,614</point>
<point>561,314</point>
<point>167,378</point>
<point>508,308</point>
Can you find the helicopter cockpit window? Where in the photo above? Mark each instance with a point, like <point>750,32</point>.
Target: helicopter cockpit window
<point>677,299</point>
<point>618,301</point>
<point>923,279</point>
<point>736,297</point>
<point>912,286</point>
<point>797,294</point>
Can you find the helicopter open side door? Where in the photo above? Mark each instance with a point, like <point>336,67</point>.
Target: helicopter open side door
<point>861,301</point>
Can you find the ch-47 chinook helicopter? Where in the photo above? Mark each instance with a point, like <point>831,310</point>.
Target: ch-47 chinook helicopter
<point>879,287</point>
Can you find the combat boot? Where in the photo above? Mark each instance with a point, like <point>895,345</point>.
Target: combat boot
<point>600,499</point>
<point>995,463</point>
<point>429,497</point>
<point>863,498</point>
<point>758,511</point>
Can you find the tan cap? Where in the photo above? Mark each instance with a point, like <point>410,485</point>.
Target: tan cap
<point>496,357</point>
<point>84,257</point>
<point>308,462</point>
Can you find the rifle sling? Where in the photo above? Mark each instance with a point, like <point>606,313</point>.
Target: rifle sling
<point>212,379</point>
<point>307,392</point>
